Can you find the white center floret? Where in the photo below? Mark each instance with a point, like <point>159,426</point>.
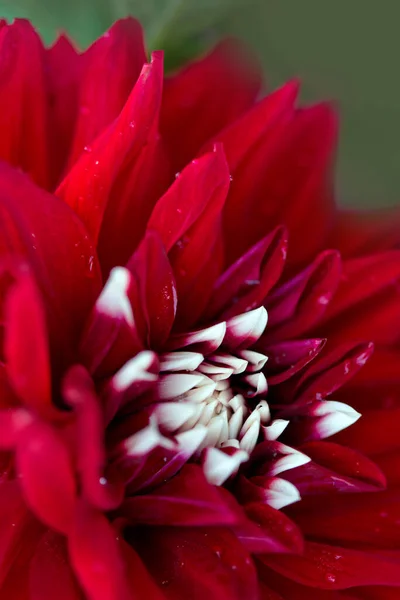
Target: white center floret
<point>197,390</point>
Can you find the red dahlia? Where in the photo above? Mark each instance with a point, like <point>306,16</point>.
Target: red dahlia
<point>178,337</point>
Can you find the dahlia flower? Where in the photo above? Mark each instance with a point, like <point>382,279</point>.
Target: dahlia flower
<point>188,325</point>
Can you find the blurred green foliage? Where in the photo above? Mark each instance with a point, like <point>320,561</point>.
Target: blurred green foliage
<point>346,50</point>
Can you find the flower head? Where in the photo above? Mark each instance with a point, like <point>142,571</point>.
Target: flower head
<point>179,337</point>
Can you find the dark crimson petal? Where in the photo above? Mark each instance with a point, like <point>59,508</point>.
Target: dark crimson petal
<point>335,568</point>
<point>196,269</point>
<point>40,229</point>
<point>363,278</point>
<point>104,88</point>
<point>378,593</point>
<point>288,358</point>
<point>50,573</point>
<point>95,556</point>
<point>187,198</point>
<point>312,479</point>
<point>334,469</point>
<point>198,562</point>
<point>390,465</point>
<point>87,186</point>
<point>186,500</point>
<point>372,520</point>
<point>273,531</point>
<point>63,69</point>
<point>246,283</point>
<point>45,471</point>
<point>25,330</point>
<point>204,97</point>
<point>18,529</point>
<point>156,290</point>
<point>366,282</point>
<point>23,101</point>
<point>298,304</point>
<point>79,393</point>
<point>376,432</point>
<point>331,370</point>
<point>140,582</point>
<point>267,594</point>
<point>295,591</point>
<point>358,233</point>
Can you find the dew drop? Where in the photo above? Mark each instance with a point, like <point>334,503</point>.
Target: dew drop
<point>87,149</point>
<point>103,480</point>
<point>132,124</point>
<point>330,577</point>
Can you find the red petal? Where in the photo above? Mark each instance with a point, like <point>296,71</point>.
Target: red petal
<point>187,198</point>
<point>113,333</point>
<point>156,293</point>
<point>358,233</point>
<point>376,432</point>
<point>141,584</point>
<point>196,269</point>
<point>206,96</point>
<point>44,232</point>
<point>366,282</point>
<point>104,89</point>
<point>186,500</point>
<point>23,101</point>
<point>132,199</point>
<point>63,67</point>
<point>18,529</point>
<point>29,372</point>
<point>46,475</point>
<point>298,304</point>
<point>245,133</point>
<point>96,557</point>
<point>371,520</point>
<point>288,358</point>
<point>248,280</point>
<point>363,278</point>
<point>334,568</point>
<point>332,370</point>
<point>79,393</point>
<point>274,532</point>
<point>336,469</point>
<point>87,186</point>
<point>50,573</point>
<point>299,143</point>
<point>197,563</point>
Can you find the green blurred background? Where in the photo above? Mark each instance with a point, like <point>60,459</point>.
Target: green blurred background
<point>345,50</point>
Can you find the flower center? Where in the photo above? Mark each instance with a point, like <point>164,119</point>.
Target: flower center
<point>219,391</point>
